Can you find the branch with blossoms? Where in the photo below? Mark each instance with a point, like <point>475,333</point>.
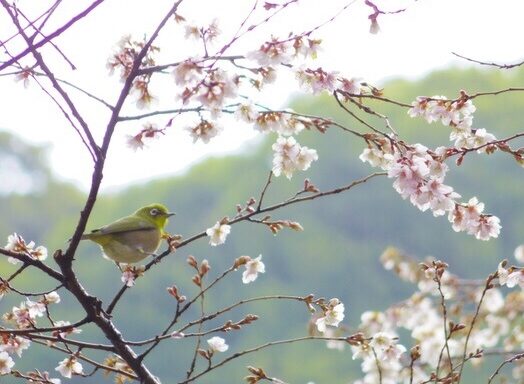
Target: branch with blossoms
<point>216,81</point>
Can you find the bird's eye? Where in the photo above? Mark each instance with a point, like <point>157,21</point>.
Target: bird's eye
<point>153,212</point>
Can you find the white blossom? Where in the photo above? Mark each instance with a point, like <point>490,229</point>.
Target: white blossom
<point>187,73</point>
<point>217,87</point>
<point>290,156</point>
<point>36,309</point>
<point>6,363</point>
<point>217,344</point>
<point>376,158</point>
<point>352,86</point>
<point>66,331</point>
<point>14,345</point>
<point>272,53</point>
<point>128,277</point>
<point>246,112</point>
<point>218,233</point>
<point>16,243</point>
<point>519,254</point>
<point>52,298</point>
<point>253,268</point>
<point>40,253</point>
<point>204,131</point>
<point>69,366</point>
<point>333,315</point>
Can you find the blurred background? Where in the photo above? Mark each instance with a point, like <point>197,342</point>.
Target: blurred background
<point>44,184</point>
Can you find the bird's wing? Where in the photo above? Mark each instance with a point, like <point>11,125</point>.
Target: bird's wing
<point>125,224</point>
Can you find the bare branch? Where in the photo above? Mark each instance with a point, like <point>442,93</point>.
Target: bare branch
<point>501,66</point>
<point>51,36</point>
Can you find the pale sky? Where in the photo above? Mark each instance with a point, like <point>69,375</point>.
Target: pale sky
<point>409,45</point>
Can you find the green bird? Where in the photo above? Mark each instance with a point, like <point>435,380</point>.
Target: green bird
<point>132,238</point>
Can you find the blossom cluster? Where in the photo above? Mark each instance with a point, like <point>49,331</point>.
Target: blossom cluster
<point>510,277</point>
<point>276,52</point>
<point>458,114</point>
<point>419,174</point>
<point>17,244</point>
<point>23,316</point>
<point>290,156</point>
<point>319,80</point>
<point>423,317</point>
<point>123,59</point>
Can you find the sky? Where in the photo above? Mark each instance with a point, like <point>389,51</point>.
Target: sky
<point>409,45</point>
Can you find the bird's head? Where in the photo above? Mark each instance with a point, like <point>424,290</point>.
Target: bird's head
<point>155,213</point>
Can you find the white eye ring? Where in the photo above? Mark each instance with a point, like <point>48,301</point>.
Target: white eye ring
<point>154,212</point>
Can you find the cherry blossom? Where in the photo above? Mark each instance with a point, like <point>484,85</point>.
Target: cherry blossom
<point>6,363</point>
<point>69,367</point>
<point>272,53</point>
<point>204,131</point>
<point>217,344</point>
<point>187,72</point>
<point>333,315</point>
<point>218,233</point>
<point>216,88</point>
<point>253,268</point>
<point>16,243</point>
<point>14,345</point>
<point>290,156</point>
<point>352,86</point>
<point>519,254</point>
<point>246,112</point>
<point>52,298</point>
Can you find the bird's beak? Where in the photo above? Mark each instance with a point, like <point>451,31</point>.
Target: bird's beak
<point>169,214</point>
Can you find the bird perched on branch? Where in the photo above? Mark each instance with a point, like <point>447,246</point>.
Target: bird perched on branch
<point>132,238</point>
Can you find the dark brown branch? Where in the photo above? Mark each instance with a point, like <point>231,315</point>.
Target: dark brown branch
<point>29,331</point>
<point>88,360</point>
<point>34,262</point>
<point>76,343</point>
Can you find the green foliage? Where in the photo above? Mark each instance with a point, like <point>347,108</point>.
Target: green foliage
<point>336,255</point>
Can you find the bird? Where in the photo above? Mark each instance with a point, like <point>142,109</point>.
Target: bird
<point>132,238</point>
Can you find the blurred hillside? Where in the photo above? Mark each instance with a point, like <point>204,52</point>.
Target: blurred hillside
<point>336,255</point>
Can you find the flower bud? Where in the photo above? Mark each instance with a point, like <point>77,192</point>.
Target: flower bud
<point>192,261</point>
<point>204,267</point>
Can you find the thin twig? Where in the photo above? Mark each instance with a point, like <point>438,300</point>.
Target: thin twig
<point>508,361</point>
<point>491,64</point>
<point>264,190</point>
<point>258,348</point>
